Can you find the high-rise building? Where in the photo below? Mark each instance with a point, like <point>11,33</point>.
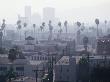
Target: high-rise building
<point>48,14</point>
<point>28,13</point>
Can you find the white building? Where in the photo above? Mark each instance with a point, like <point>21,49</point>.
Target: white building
<point>30,43</point>
<point>28,13</point>
<point>21,66</point>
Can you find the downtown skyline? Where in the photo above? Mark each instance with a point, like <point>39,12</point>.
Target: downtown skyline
<point>72,10</point>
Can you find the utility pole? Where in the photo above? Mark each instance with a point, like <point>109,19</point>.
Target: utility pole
<point>50,69</point>
<point>36,73</point>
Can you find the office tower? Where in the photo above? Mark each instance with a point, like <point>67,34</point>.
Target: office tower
<point>28,13</point>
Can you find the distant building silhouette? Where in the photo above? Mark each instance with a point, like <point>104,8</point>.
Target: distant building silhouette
<point>28,13</point>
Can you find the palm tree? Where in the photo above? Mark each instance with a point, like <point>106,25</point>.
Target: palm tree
<point>42,26</point>
<point>65,25</point>
<point>78,23</point>
<point>97,23</point>
<point>25,25</point>
<point>105,24</point>
<point>78,32</point>
<point>50,30</point>
<point>60,30</point>
<point>34,26</point>
<point>3,26</point>
<point>19,27</point>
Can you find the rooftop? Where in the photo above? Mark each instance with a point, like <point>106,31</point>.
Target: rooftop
<point>29,38</point>
<point>65,59</point>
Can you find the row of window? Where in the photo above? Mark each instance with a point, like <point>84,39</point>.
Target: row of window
<point>17,68</point>
<point>39,58</point>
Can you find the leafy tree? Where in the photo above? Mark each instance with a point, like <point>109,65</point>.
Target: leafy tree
<point>12,55</point>
<point>85,42</point>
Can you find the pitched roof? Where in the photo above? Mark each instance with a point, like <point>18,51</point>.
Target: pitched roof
<point>29,38</point>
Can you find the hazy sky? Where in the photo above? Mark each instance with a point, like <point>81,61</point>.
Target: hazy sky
<point>65,9</point>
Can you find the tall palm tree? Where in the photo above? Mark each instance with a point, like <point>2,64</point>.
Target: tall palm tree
<point>50,30</point>
<point>65,25</point>
<point>105,24</point>
<point>60,30</point>
<point>42,27</point>
<point>3,26</point>
<point>25,25</point>
<point>34,27</point>
<point>59,24</point>
<point>19,26</point>
<point>66,29</point>
<point>78,23</point>
<point>1,37</point>
<point>78,32</point>
<point>97,23</point>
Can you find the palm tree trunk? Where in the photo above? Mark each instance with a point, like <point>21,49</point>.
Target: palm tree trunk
<point>97,31</point>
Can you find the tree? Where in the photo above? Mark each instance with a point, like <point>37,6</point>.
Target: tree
<point>50,30</point>
<point>34,26</point>
<point>25,25</point>
<point>12,55</point>
<point>85,42</point>
<point>65,24</point>
<point>105,22</point>
<point>97,23</point>
<point>59,24</point>
<point>78,32</point>
<point>19,27</point>
<point>78,23</point>
<point>42,26</point>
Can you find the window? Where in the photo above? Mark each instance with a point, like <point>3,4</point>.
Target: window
<point>3,68</point>
<point>19,68</point>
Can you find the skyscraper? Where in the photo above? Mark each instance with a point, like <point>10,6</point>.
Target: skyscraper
<point>28,13</point>
<point>48,14</point>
